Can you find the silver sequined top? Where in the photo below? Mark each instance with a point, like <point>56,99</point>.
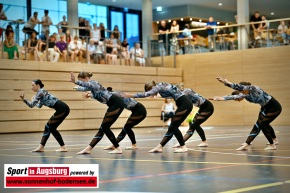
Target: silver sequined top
<point>256,94</point>
<point>166,90</point>
<point>98,91</point>
<point>196,99</point>
<point>129,103</point>
<point>42,97</point>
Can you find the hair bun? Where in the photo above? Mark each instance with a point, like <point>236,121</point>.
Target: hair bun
<point>39,82</point>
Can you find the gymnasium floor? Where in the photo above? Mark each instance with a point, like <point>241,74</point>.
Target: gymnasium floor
<point>217,168</point>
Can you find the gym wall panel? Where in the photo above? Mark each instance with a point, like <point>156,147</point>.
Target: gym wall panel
<point>267,68</point>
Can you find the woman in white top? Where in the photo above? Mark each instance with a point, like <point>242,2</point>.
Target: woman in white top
<point>74,49</point>
<point>138,54</point>
<point>91,50</point>
<point>125,52</point>
<point>167,111</point>
<point>111,52</point>
<point>83,48</point>
<point>95,34</point>
<point>174,27</point>
<point>100,49</point>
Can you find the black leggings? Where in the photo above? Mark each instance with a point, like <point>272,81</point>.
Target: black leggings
<point>184,107</point>
<point>116,106</point>
<point>138,114</point>
<point>166,116</point>
<point>62,111</point>
<point>268,113</point>
<point>204,112</point>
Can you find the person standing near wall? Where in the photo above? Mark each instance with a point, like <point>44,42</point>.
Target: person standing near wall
<point>163,39</point>
<point>46,22</point>
<point>211,33</point>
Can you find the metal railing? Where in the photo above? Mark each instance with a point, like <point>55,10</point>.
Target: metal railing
<point>225,38</point>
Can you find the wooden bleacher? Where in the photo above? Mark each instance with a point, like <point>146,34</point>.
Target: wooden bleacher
<point>17,75</point>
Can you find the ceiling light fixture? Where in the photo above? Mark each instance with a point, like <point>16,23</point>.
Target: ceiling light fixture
<point>159,8</point>
<point>220,4</point>
<point>272,13</point>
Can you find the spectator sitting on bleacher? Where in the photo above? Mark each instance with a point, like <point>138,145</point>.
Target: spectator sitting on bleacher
<point>125,52</point>
<point>31,23</point>
<point>10,46</point>
<point>138,54</point>
<point>8,30</point>
<point>52,50</point>
<point>112,52</point>
<point>99,52</point>
<point>32,46</point>
<point>57,36</point>
<point>83,48</point>
<point>61,47</point>
<point>74,49</point>
<point>91,51</point>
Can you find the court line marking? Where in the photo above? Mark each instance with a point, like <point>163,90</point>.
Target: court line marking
<point>46,156</point>
<point>171,173</point>
<point>152,161</point>
<point>189,162</point>
<point>109,143</point>
<point>240,154</point>
<point>254,187</point>
<point>162,174</point>
<point>12,149</point>
<point>236,154</point>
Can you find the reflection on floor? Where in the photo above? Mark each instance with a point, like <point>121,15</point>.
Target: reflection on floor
<point>217,168</point>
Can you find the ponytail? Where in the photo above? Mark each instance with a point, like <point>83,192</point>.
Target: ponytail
<point>39,82</point>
